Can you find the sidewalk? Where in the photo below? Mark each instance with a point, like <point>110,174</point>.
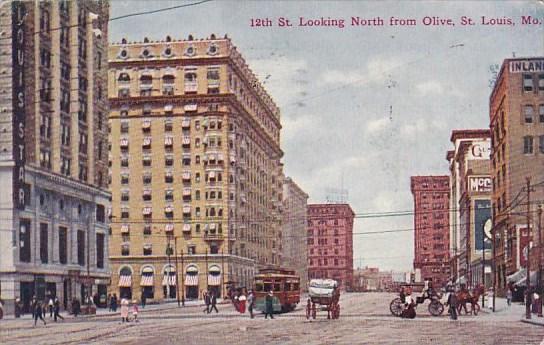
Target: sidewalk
<point>104,312</point>
<point>514,312</point>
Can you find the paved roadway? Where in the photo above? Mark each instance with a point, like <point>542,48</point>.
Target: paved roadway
<point>365,319</point>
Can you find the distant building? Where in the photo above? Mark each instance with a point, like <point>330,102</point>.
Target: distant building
<point>53,151</point>
<point>470,205</point>
<point>371,279</point>
<point>431,224</point>
<point>294,250</point>
<point>330,242</point>
<point>516,112</point>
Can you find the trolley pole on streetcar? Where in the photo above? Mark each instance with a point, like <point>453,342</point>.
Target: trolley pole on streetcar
<point>528,258</point>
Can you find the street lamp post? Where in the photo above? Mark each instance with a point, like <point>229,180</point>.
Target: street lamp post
<point>528,259</point>
<point>539,273</point>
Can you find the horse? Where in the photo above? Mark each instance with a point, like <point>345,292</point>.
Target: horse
<point>464,297</point>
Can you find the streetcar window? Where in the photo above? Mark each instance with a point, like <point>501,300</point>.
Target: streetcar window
<point>287,286</point>
<point>259,286</point>
<point>267,286</point>
<point>296,286</point>
<point>277,287</point>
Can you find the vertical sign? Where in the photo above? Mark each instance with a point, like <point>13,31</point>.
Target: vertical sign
<point>482,212</point>
<point>523,244</point>
<point>18,51</point>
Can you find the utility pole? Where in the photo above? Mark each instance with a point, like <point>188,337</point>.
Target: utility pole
<point>539,273</point>
<point>483,266</point>
<point>528,258</point>
<point>182,281</point>
<point>222,274</point>
<point>168,253</point>
<point>177,269</point>
<point>494,264</point>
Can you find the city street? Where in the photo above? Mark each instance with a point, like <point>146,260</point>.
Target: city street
<point>365,319</point>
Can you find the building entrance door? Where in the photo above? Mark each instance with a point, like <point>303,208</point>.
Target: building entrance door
<point>26,292</point>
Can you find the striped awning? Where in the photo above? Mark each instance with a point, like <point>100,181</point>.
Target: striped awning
<point>125,281</point>
<point>214,279</point>
<point>190,107</point>
<point>186,123</point>
<point>220,157</point>
<point>168,141</point>
<point>186,175</point>
<point>187,227</point>
<point>191,280</point>
<point>169,280</point>
<point>169,227</point>
<point>125,228</point>
<point>168,107</point>
<point>147,280</point>
<point>186,140</point>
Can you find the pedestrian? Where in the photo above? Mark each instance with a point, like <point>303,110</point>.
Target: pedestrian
<point>269,309</point>
<point>409,311</point>
<point>509,296</point>
<point>135,310</point>
<point>56,309</point>
<point>44,308</point>
<point>242,302</point>
<point>76,307</point>
<point>452,303</point>
<point>33,305</point>
<point>143,299</point>
<point>490,294</point>
<point>50,307</point>
<point>38,313</point>
<point>114,303</point>
<point>108,302</point>
<point>206,298</point>
<point>213,302</point>
<point>124,310</point>
<point>250,303</point>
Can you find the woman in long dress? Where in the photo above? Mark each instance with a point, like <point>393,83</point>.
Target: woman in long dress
<point>124,310</point>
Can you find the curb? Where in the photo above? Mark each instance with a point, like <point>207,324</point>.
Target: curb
<point>532,322</point>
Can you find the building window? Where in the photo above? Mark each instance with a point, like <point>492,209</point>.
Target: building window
<point>148,250</point>
<point>125,213</point>
<point>147,229</point>
<point>81,247</point>
<point>169,160</point>
<point>541,143</point>
<point>541,113</point>
<point>125,250</point>
<point>63,259</point>
<point>527,82</point>
<point>100,250</point>
<point>541,82</point>
<point>100,213</point>
<point>528,144</point>
<point>528,113</point>
<point>125,195</point>
<point>44,243</point>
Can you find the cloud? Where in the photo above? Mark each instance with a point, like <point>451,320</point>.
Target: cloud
<point>430,87</point>
<point>377,70</point>
<point>377,126</point>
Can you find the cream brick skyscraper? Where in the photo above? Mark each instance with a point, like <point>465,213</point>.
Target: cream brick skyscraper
<point>195,162</point>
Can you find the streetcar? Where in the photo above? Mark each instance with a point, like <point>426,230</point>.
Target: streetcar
<point>284,284</point>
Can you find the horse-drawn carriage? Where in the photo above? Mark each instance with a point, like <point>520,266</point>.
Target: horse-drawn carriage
<point>325,294</point>
<point>435,307</point>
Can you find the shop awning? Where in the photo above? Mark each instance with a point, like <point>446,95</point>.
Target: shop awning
<point>125,281</point>
<point>517,276</point>
<point>125,229</point>
<point>147,280</point>
<point>186,227</point>
<point>169,227</point>
<point>191,280</point>
<point>169,280</point>
<point>190,107</point>
<point>214,279</point>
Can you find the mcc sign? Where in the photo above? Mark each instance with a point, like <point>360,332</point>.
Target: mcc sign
<point>479,183</point>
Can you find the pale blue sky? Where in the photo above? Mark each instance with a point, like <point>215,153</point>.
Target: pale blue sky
<point>376,104</point>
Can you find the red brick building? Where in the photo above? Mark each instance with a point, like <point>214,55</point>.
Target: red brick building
<point>431,224</point>
<point>330,243</point>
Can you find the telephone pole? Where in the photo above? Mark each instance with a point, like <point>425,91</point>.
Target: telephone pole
<point>539,273</point>
<point>494,264</point>
<point>528,258</point>
<point>177,268</point>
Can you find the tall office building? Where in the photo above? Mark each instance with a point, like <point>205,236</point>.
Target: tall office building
<point>53,150</point>
<point>516,111</point>
<point>431,224</point>
<point>195,168</point>
<point>330,243</point>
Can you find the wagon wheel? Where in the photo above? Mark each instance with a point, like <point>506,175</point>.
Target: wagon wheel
<point>396,307</point>
<point>436,308</point>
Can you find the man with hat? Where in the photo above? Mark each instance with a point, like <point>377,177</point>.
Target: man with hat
<point>269,310</point>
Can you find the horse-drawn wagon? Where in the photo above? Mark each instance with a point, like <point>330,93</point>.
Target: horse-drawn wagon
<point>323,293</point>
<point>435,307</point>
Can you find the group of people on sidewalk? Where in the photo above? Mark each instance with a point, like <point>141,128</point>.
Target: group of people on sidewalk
<point>40,309</point>
<point>129,311</point>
